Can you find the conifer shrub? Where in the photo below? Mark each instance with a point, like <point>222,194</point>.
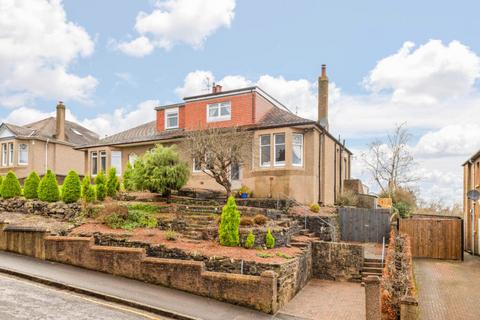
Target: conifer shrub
<point>30,187</point>
<point>88,191</point>
<point>127,178</point>
<point>269,240</point>
<point>250,242</point>
<point>1,180</point>
<point>10,186</point>
<point>112,182</point>
<point>101,186</point>
<point>72,189</point>
<point>48,188</point>
<point>229,223</point>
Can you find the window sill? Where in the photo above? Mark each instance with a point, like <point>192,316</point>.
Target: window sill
<point>219,119</point>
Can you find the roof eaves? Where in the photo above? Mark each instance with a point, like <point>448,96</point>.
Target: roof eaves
<point>220,94</point>
<point>168,106</point>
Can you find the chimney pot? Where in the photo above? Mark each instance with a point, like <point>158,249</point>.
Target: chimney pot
<point>219,88</point>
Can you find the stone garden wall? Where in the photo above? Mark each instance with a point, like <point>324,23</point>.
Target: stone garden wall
<point>337,260</point>
<point>59,210</point>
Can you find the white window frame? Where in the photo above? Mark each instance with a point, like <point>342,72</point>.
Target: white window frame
<point>4,154</point>
<point>301,149</point>
<point>94,155</point>
<point>103,154</point>
<point>20,152</point>
<point>114,155</point>
<point>170,112</point>
<point>280,163</point>
<point>132,158</point>
<point>11,153</point>
<point>219,106</point>
<point>269,150</point>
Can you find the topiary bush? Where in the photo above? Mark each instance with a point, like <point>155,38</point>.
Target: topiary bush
<point>112,182</point>
<point>88,191</point>
<point>72,189</point>
<point>48,188</point>
<point>315,207</point>
<point>30,187</point>
<point>229,223</point>
<point>269,240</point>
<point>250,242</point>
<point>10,186</point>
<point>101,186</point>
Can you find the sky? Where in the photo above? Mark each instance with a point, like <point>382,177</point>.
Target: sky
<point>112,62</point>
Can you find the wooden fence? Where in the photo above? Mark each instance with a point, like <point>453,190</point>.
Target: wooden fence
<point>434,237</point>
<point>364,225</point>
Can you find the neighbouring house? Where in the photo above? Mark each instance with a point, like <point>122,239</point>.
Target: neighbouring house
<point>42,145</point>
<point>471,181</point>
<point>292,156</point>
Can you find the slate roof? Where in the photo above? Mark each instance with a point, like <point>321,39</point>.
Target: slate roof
<point>44,129</point>
<point>277,116</point>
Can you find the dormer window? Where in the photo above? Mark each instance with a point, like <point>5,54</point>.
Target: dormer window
<point>171,118</point>
<point>219,112</point>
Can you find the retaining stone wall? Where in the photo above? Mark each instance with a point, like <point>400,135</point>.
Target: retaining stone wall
<point>59,210</point>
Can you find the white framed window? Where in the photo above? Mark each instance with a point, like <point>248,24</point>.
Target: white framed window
<point>117,162</point>
<point>221,111</point>
<point>297,149</point>
<point>171,118</point>
<point>265,156</point>
<point>94,161</point>
<point>10,154</point>
<point>132,157</point>
<point>103,161</point>
<point>23,153</point>
<point>4,154</point>
<point>279,153</point>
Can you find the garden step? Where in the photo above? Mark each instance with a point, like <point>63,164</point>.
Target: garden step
<point>373,265</point>
<point>372,260</point>
<point>372,270</point>
<point>366,274</point>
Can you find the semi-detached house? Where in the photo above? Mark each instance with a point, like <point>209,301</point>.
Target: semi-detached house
<point>292,156</point>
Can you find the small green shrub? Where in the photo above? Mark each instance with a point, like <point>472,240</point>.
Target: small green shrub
<point>403,208</point>
<point>250,242</point>
<point>48,188</point>
<point>101,186</point>
<point>10,186</point>
<point>246,221</point>
<point>269,240</point>
<point>133,219</point>
<point>127,178</point>
<point>171,235</point>
<point>72,188</point>
<point>30,187</point>
<point>260,219</point>
<point>229,223</point>
<point>264,255</point>
<point>315,207</point>
<point>113,184</point>
<point>284,255</point>
<point>88,191</point>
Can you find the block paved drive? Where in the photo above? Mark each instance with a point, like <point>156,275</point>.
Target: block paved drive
<point>448,289</point>
<point>327,300</point>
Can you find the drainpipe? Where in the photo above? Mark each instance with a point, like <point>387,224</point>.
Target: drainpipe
<point>46,155</point>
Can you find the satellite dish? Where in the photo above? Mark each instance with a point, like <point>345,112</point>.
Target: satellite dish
<point>473,195</point>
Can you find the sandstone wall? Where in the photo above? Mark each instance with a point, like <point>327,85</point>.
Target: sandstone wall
<point>59,210</point>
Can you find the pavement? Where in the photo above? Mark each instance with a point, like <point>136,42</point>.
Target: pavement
<point>327,300</point>
<point>139,295</point>
<point>448,289</point>
<point>25,300</point>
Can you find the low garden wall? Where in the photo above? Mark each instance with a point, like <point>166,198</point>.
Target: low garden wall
<point>59,210</point>
<point>337,260</point>
<point>257,292</point>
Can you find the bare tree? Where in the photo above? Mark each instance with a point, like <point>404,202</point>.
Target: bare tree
<point>219,152</point>
<point>390,163</point>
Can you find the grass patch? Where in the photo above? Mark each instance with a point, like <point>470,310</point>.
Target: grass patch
<point>133,217</point>
<point>284,255</point>
<point>143,207</point>
<point>265,255</point>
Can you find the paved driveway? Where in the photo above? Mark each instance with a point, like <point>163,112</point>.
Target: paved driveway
<point>448,289</point>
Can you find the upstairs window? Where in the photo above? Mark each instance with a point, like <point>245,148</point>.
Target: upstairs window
<point>297,149</point>
<point>265,151</point>
<point>103,161</point>
<point>219,112</point>
<point>171,118</point>
<point>279,149</point>
<point>117,161</point>
<point>94,163</point>
<point>23,153</point>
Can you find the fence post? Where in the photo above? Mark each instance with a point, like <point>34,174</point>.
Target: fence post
<point>408,308</point>
<point>372,298</point>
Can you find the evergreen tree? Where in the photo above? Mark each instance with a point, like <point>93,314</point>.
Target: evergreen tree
<point>127,178</point>
<point>230,221</point>
<point>101,186</point>
<point>112,182</point>
<point>48,188</point>
<point>30,187</point>
<point>269,240</point>
<point>72,189</point>
<point>88,191</point>
<point>10,186</point>
<point>250,240</point>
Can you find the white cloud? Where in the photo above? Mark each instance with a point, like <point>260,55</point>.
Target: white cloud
<point>178,21</point>
<point>37,45</point>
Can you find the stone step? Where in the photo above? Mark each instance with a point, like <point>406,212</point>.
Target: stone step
<point>366,274</point>
<point>373,265</point>
<point>372,270</point>
<point>372,260</point>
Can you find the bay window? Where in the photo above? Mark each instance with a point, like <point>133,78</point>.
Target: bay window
<point>4,154</point>
<point>117,162</point>
<point>10,152</point>
<point>297,149</point>
<point>265,150</point>
<point>103,161</point>
<point>23,154</point>
<point>279,153</point>
<point>171,118</point>
<point>94,163</point>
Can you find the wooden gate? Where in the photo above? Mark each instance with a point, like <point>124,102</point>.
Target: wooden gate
<point>364,225</point>
<point>434,237</point>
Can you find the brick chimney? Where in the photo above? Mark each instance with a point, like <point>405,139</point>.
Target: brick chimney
<point>323,98</point>
<point>216,88</point>
<point>60,129</point>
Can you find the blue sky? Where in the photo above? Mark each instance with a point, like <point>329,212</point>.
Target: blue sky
<point>388,63</point>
